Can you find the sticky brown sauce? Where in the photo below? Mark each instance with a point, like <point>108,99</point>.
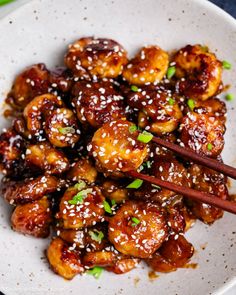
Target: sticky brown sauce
<point>232,197</point>
<point>191,265</point>
<point>152,275</point>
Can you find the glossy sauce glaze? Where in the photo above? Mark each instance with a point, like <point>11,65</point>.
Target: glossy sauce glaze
<point>77,131</point>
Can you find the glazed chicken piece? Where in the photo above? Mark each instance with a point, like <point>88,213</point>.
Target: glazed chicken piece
<point>33,218</point>
<point>38,109</point>
<point>138,229</point>
<point>159,111</point>
<point>165,167</point>
<point>148,66</point>
<point>199,72</point>
<point>115,147</point>
<point>209,181</point>
<point>12,146</point>
<point>33,81</point>
<point>29,190</point>
<point>99,57</point>
<point>111,260</point>
<point>46,158</point>
<point>63,260</point>
<point>114,191</point>
<point>212,107</point>
<point>61,128</point>
<point>97,103</point>
<point>174,253</point>
<point>90,239</point>
<point>203,134</point>
<point>81,206</point>
<point>83,169</point>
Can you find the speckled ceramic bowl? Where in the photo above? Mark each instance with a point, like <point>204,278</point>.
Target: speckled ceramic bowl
<point>39,32</point>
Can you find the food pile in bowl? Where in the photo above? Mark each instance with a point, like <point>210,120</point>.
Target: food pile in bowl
<point>77,132</point>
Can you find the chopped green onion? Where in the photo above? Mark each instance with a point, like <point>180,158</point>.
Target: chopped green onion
<point>171,72</point>
<point>96,235</point>
<point>133,128</point>
<point>80,185</point>
<point>113,202</point>
<point>209,146</point>
<point>79,198</point>
<point>3,2</point>
<point>107,207</point>
<point>226,65</point>
<point>229,97</point>
<point>148,164</point>
<point>134,88</point>
<point>135,220</point>
<point>191,104</point>
<point>171,101</point>
<point>156,186</point>
<point>96,272</point>
<point>67,130</point>
<point>145,137</point>
<point>137,183</point>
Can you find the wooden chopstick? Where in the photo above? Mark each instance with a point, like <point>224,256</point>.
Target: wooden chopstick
<point>197,158</point>
<point>188,192</point>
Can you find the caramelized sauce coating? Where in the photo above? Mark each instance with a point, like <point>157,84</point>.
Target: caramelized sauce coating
<point>100,258</point>
<point>212,182</point>
<point>39,108</point>
<point>33,81</point>
<point>116,148</point>
<point>87,212</point>
<point>148,66</point>
<point>12,146</point>
<point>21,192</point>
<point>83,169</point>
<point>199,72</point>
<point>159,111</point>
<point>61,128</point>
<point>138,229</point>
<point>177,250</point>
<point>33,219</point>
<point>123,265</point>
<point>114,191</point>
<point>97,103</point>
<point>103,58</point>
<point>47,158</point>
<point>77,132</point>
<point>64,261</point>
<point>202,133</point>
<point>158,263</point>
<point>90,239</point>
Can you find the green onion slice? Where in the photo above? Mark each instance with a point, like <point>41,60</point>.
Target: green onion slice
<point>209,146</point>
<point>66,130</point>
<point>133,128</point>
<point>96,235</point>
<point>145,137</point>
<point>134,88</point>
<point>229,97</point>
<point>96,272</point>
<point>226,65</point>
<point>191,104</point>
<point>107,207</point>
<point>171,72</point>
<point>135,220</point>
<point>80,196</point>
<point>137,183</point>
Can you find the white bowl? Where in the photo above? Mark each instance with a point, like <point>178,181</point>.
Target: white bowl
<point>39,31</point>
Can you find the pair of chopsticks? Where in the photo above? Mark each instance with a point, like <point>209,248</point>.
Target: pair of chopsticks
<point>188,192</point>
